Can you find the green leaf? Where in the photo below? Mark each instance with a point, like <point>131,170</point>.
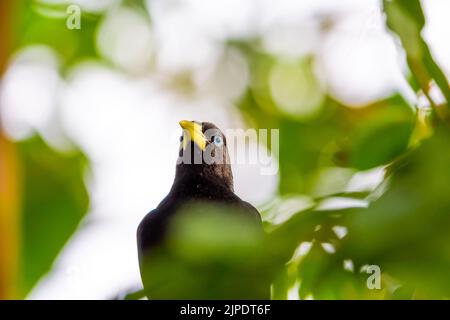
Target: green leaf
<point>36,28</point>
<point>377,134</point>
<point>281,284</point>
<point>54,202</point>
<point>211,252</point>
<point>405,231</point>
<point>381,139</point>
<point>406,19</point>
<point>309,270</point>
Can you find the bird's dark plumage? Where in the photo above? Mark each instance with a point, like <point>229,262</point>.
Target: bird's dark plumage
<point>201,181</point>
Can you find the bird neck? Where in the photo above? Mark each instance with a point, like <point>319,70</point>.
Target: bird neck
<point>199,181</point>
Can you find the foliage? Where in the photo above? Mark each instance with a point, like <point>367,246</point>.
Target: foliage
<point>407,20</point>
<point>54,202</point>
<point>44,196</point>
<point>202,259</point>
<point>308,252</point>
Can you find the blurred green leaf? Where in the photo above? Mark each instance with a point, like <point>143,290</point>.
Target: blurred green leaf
<point>309,270</point>
<point>385,135</point>
<point>71,45</point>
<point>405,231</point>
<point>209,250</point>
<point>196,235</point>
<point>403,293</point>
<point>54,202</point>
<point>406,19</point>
<point>281,284</point>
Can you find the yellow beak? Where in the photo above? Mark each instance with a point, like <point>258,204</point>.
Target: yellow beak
<point>192,131</point>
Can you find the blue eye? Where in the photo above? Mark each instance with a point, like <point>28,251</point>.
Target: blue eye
<point>218,141</point>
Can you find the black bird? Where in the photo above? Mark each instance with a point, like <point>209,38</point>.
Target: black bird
<point>203,174</point>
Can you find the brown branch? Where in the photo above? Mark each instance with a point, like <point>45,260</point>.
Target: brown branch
<point>9,194</point>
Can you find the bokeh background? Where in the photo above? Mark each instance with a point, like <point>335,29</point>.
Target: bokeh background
<point>89,122</point>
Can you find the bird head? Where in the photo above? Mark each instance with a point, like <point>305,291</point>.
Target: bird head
<point>203,152</point>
